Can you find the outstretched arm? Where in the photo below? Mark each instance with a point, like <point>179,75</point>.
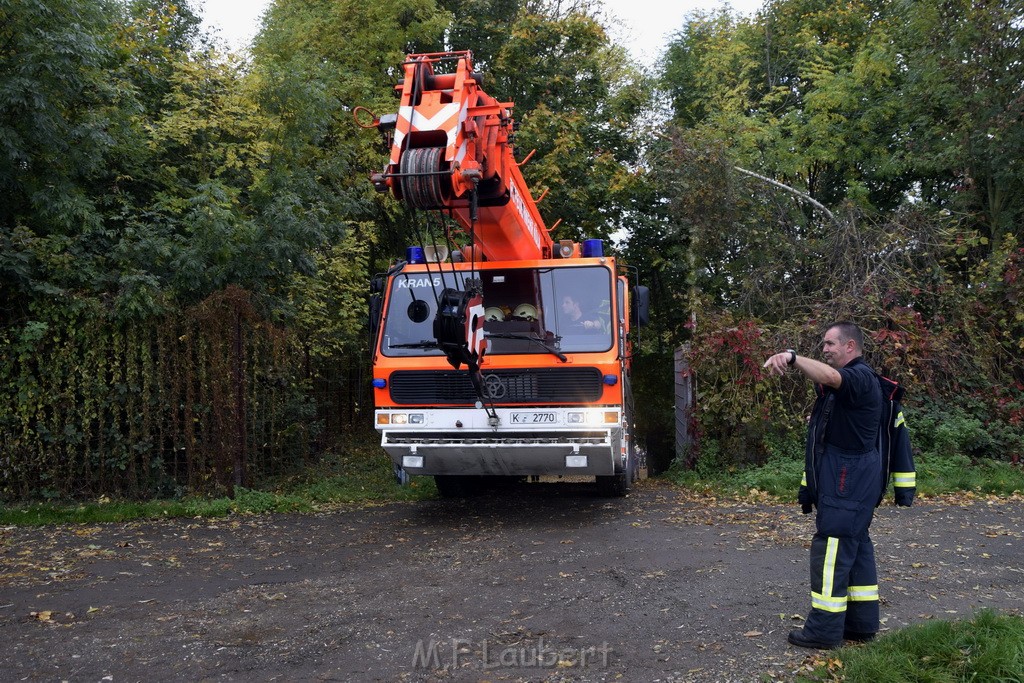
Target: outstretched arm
<point>816,371</point>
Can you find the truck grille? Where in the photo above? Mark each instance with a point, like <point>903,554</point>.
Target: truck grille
<point>459,438</point>
<point>528,385</point>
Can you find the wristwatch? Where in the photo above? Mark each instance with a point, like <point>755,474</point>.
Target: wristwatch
<point>792,356</point>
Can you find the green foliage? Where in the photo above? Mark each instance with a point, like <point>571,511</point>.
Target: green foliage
<point>55,104</point>
<point>987,647</point>
<point>964,113</point>
<point>579,103</point>
<point>330,308</point>
<point>866,103</point>
<point>938,474</point>
<point>738,409</point>
<point>93,406</point>
<point>163,204</point>
<point>879,202</point>
<point>357,475</point>
<point>261,502</point>
<point>778,477</point>
<point>965,429</point>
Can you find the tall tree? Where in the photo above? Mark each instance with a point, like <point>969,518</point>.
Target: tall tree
<point>54,101</point>
<point>885,138</point>
<point>57,111</point>
<point>964,97</point>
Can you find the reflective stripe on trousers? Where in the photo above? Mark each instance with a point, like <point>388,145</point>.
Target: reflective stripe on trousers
<point>844,587</point>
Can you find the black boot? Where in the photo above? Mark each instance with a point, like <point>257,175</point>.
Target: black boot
<point>800,639</point>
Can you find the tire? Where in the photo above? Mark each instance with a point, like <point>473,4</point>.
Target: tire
<point>456,486</point>
<point>618,485</point>
<point>614,486</point>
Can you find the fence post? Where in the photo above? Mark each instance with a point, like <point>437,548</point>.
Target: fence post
<point>685,397</point>
<point>239,377</point>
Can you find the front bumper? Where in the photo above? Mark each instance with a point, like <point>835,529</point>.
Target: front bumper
<point>462,442</point>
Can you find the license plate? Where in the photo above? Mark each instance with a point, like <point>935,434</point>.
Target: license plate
<point>533,418</point>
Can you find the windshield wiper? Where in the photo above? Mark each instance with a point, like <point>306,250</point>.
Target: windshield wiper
<point>425,344</point>
<point>529,337</point>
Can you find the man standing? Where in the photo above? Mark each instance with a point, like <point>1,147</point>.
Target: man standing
<point>843,480</point>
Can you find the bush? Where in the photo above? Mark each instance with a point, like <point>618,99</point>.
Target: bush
<point>739,406</point>
<point>966,429</point>
<point>779,476</point>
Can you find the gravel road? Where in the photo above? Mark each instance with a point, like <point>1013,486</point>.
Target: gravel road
<point>536,583</point>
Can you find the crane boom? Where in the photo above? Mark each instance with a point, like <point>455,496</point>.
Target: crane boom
<point>451,149</point>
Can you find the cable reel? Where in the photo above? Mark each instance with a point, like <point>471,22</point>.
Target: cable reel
<point>424,178</point>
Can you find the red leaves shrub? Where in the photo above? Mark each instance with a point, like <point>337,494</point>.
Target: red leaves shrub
<point>738,404</point>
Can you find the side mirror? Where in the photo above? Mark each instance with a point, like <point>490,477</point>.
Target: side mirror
<point>376,308</point>
<point>641,305</point>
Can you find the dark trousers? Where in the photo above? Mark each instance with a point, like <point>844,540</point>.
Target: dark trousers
<point>844,579</point>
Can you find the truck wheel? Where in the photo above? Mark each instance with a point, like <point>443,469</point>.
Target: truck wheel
<point>615,486</point>
<point>618,485</point>
<point>456,486</point>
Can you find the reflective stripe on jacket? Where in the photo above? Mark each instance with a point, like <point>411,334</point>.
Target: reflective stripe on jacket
<point>897,458</point>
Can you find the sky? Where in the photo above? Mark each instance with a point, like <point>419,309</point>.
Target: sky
<point>644,25</point>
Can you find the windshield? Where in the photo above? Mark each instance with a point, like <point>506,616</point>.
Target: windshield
<point>527,311</point>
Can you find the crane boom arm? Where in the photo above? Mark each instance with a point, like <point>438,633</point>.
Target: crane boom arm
<point>451,150</point>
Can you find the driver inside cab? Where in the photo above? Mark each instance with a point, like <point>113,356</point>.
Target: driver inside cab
<point>573,313</point>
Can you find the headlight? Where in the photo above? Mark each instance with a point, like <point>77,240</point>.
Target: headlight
<point>401,418</point>
<point>593,418</point>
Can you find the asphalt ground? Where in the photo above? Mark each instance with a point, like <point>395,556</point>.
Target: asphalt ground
<point>542,582</point>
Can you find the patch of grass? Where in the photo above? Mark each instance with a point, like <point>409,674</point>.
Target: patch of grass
<point>105,510</point>
<point>948,474</point>
<point>780,476</point>
<point>989,647</point>
<point>358,475</point>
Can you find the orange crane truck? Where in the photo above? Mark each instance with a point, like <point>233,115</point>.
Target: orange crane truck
<point>496,351</point>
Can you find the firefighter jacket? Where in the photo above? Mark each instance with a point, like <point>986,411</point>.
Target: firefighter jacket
<point>893,444</point>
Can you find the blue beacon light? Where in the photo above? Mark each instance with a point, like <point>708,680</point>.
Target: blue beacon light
<point>593,248</point>
<point>415,255</point>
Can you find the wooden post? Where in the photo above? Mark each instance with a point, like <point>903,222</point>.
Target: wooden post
<point>685,397</point>
<point>239,377</point>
